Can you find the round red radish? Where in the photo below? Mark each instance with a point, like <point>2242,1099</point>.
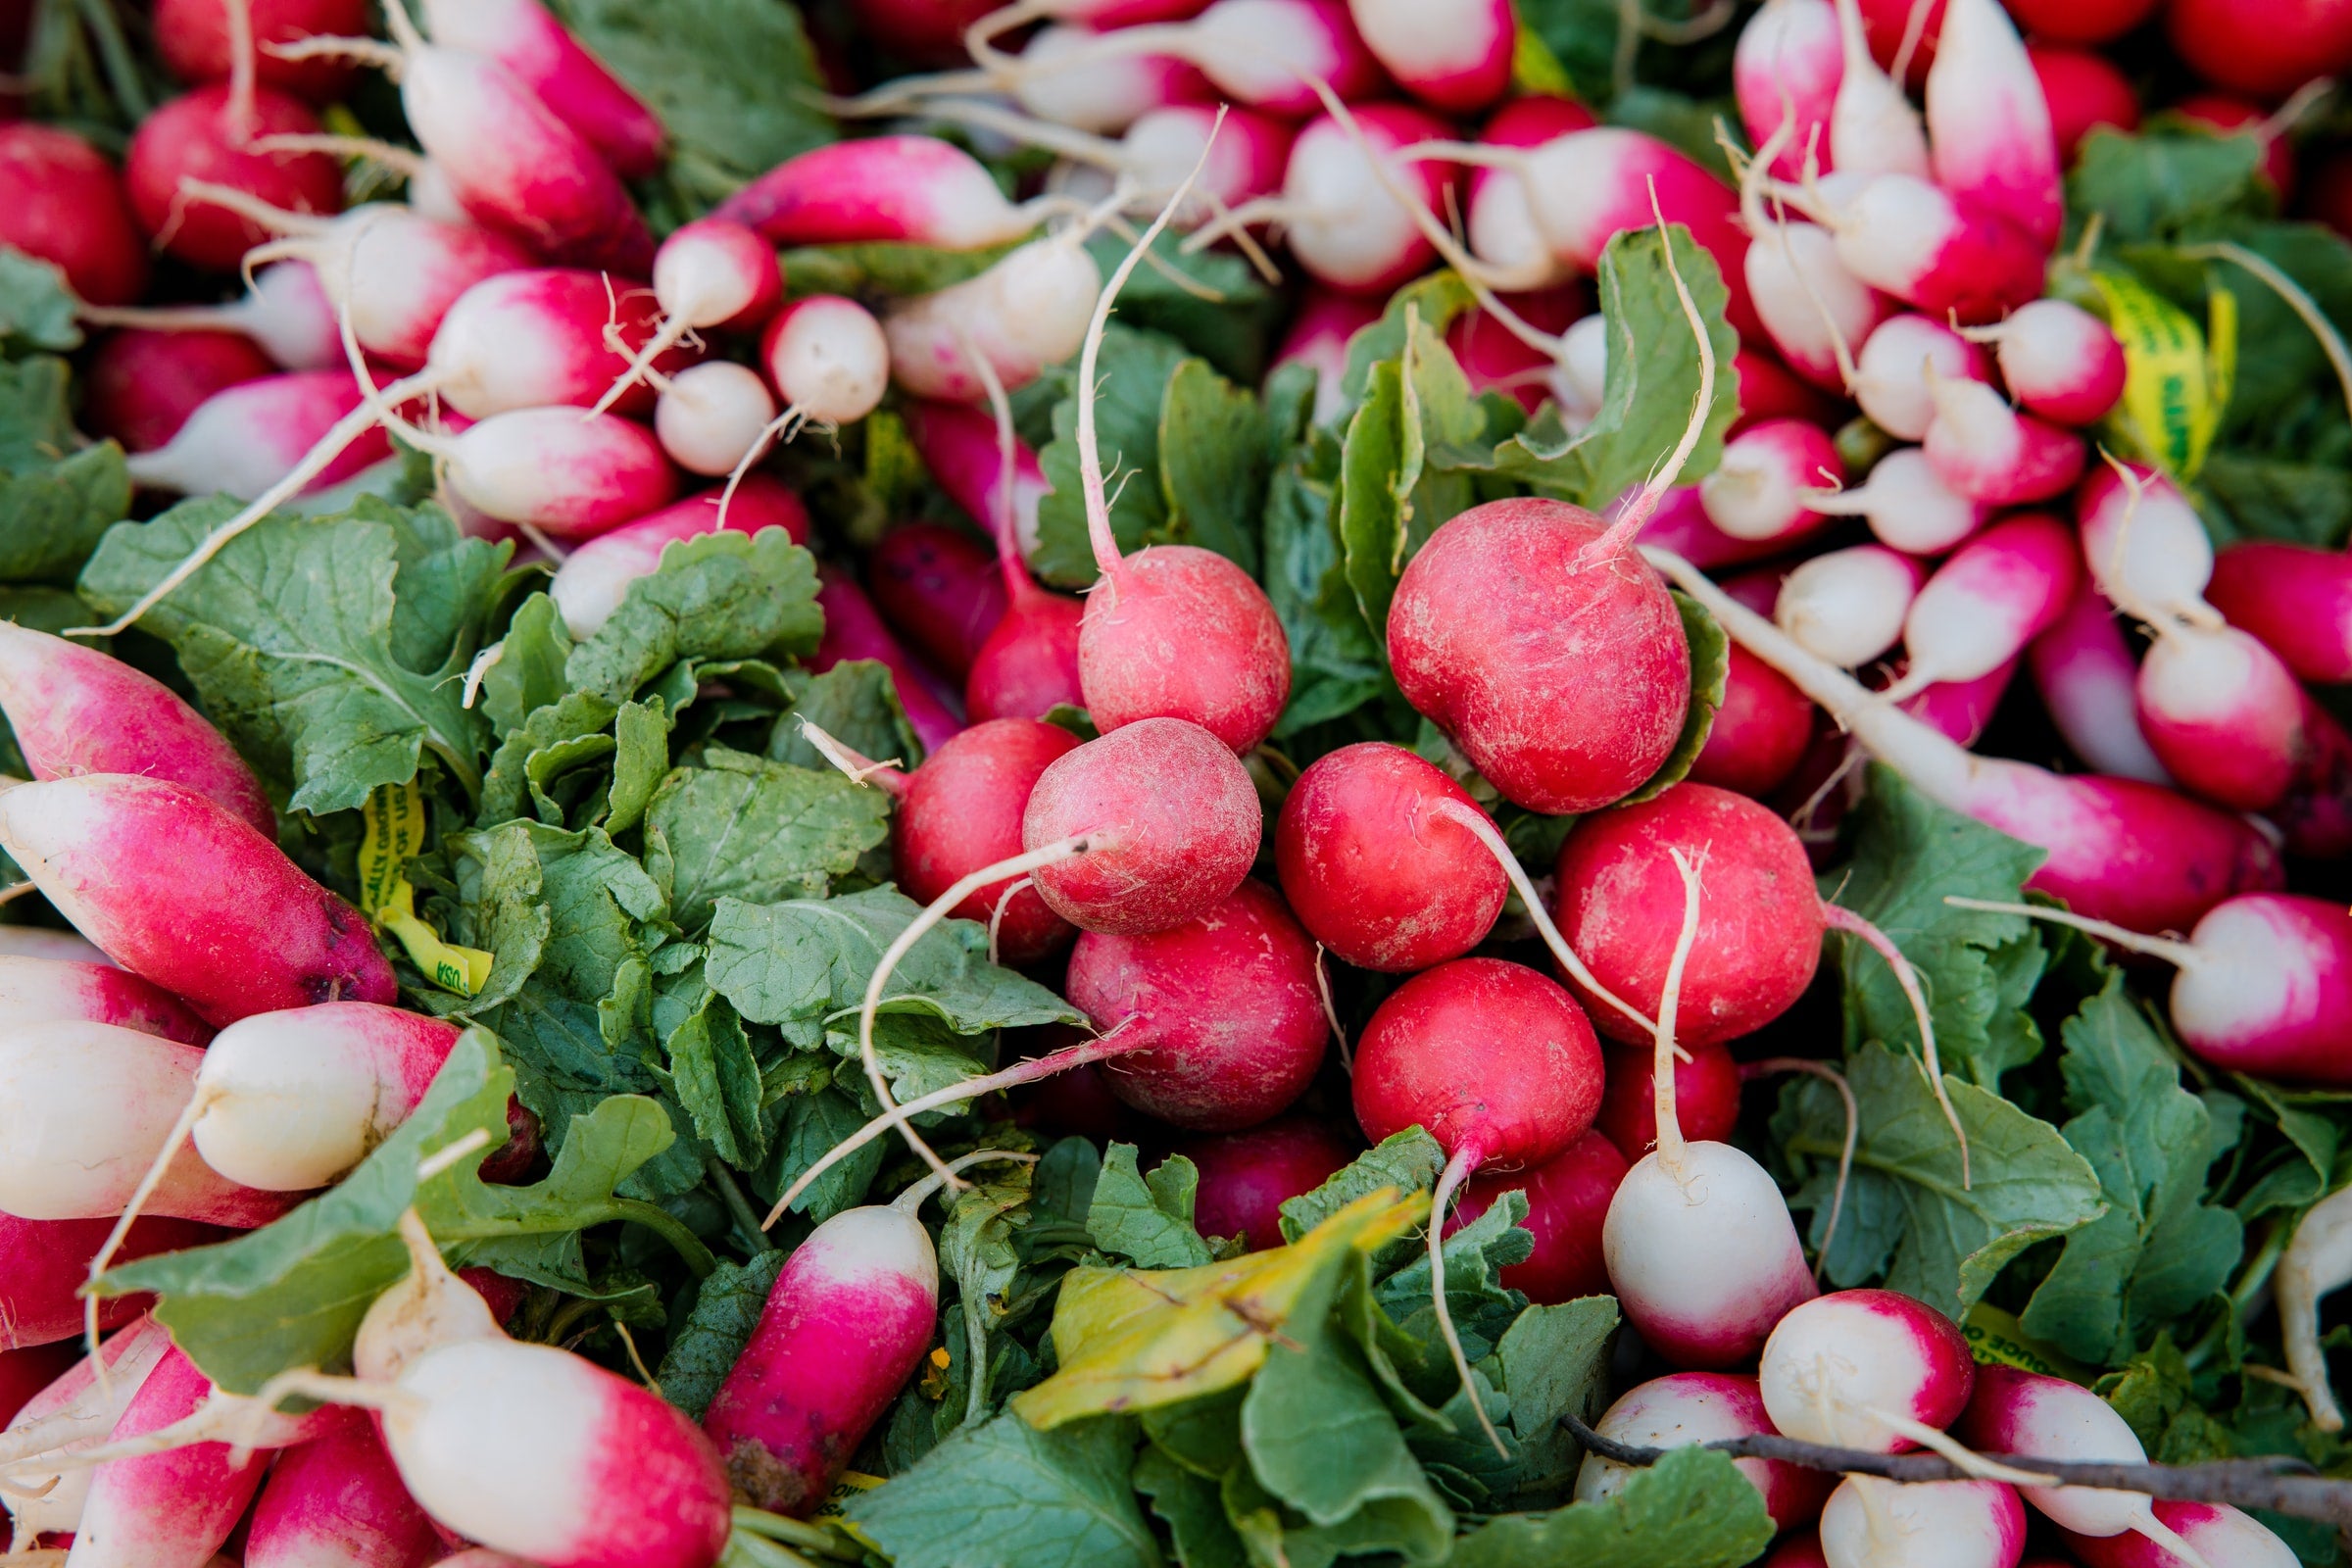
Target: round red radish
<point>2079,21</point>
<point>1760,732</point>
<point>1227,1002</point>
<point>1706,1098</point>
<point>1246,1177</point>
<point>2264,47</point>
<point>924,32</point>
<point>194,38</point>
<point>2327,193</point>
<point>940,590</point>
<point>1374,872</point>
<point>1688,1408</point>
<point>1171,818</point>
<point>2227,116</point>
<point>1567,1200</point>
<point>963,809</point>
<point>44,1263</point>
<point>61,200</point>
<point>2084,91</point>
<point>1836,1367</point>
<point>197,137</point>
<point>142,385</point>
<point>1565,679</point>
<point>1182,632</point>
<point>1029,665</point>
<point>1620,902</point>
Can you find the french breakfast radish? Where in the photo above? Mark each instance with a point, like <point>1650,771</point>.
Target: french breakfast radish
<point>1500,224</point>
<point>337,1501</point>
<point>595,577</point>
<point>1246,1177</point>
<point>1848,606</point>
<point>525,38</point>
<point>2298,600</point>
<point>207,136</point>
<point>2087,678</point>
<point>1226,1008</point>
<point>1453,55</point>
<point>2144,544</point>
<point>941,589</point>
<point>1567,1198</point>
<point>56,990</point>
<point>911,190</point>
<point>711,272</point>
<point>572,474</point>
<point>1907,505</point>
<point>1890,379</point>
<point>1869,1523</point>
<point>2000,590</point>
<point>1988,124</point>
<point>854,629</point>
<point>2222,1537</point>
<point>45,1262</point>
<point>1688,1408</point>
<point>287,313</point>
<point>1758,491</point>
<point>2223,715</point>
<point>2058,360</point>
<point>2050,1418</point>
<point>141,386</point>
<point>1258,54</point>
<point>183,892</point>
<point>1986,451</point>
<point>71,1416</point>
<point>62,202</point>
<point>1028,310</point>
<point>1785,72</point>
<point>1872,127</point>
<point>711,416</point>
<point>248,439</point>
<point>1906,236</point>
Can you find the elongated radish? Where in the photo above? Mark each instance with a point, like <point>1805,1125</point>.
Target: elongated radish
<point>1066,78</point>
<point>1989,124</point>
<point>1028,310</point>
<point>207,136</point>
<point>1960,709</point>
<point>44,1263</point>
<point>61,201</point>
<point>88,1109</point>
<point>1152,155</point>
<point>2296,599</point>
<point>246,439</point>
<point>181,892</point>
<point>595,577</point>
<point>76,710</point>
<point>1758,491</point>
<point>2223,715</point>
<point>572,474</point>
<point>1246,1177</point>
<point>1999,591</point>
<point>1497,1063</point>
<point>54,990</point>
<point>1455,56</point>
<point>1907,505</point>
<point>2144,543</point>
<point>854,629</point>
<point>75,1413</point>
<point>1985,450</point>
<point>1866,1369</point>
<point>1227,1007</point>
<point>2221,1535</point>
<point>1892,379</point>
<point>1339,222</point>
<point>1872,127</point>
<point>1501,225</point>
<point>2059,360</point>
<point>941,589</point>
<point>2118,848</point>
<point>198,42</point>
<point>1760,733</point>
<point>914,190</point>
<point>539,338</point>
<point>1374,872</point>
<point>141,386</point>
<point>1687,1407</point>
<point>522,36</point>
<point>1680,526</point>
<point>287,313</point>
<point>2050,1418</point>
<point>1567,1198</point>
<point>845,1326</point>
<point>1848,606</point>
<point>1812,307</point>
<point>712,416</point>
<point>46,942</point>
<point>1785,72</point>
<point>1905,236</point>
<point>2087,678</point>
<point>1259,54</point>
<point>712,273</point>
<point>1869,1523</point>
<point>337,1501</point>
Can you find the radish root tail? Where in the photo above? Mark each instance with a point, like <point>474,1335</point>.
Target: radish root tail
<point>1457,1170</point>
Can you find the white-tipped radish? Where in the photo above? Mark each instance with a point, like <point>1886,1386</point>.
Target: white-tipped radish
<point>2223,715</point>
<point>1688,1408</point>
<point>1340,220</point>
<point>525,37</point>
<point>286,312</point>
<point>1904,237</point>
<point>2144,543</point>
<point>1848,606</point>
<point>914,190</point>
<point>1872,127</point>
<point>1027,312</point>
<point>72,1414</point>
<point>1066,78</point>
<point>1785,72</point>
<point>545,336</point>
<point>2089,678</point>
<point>1991,125</point>
<point>246,439</point>
<point>1869,1523</point>
<point>710,415</point>
<point>2058,360</point>
<point>1759,490</point>
<point>2221,1535</point>
<point>829,358</point>
<point>1453,55</point>
<point>1906,504</point>
<point>1866,1369</point>
<point>572,474</point>
<point>1986,451</point>
<point>1999,591</point>
<point>1892,373</point>
<point>595,577</point>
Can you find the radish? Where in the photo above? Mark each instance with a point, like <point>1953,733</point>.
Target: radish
<point>287,313</point>
<point>1960,709</point>
<point>76,710</point>
<point>44,1263</point>
<point>1869,1523</point>
<point>830,358</point>
<point>198,41</point>
<point>1890,379</point>
<point>248,439</point>
<point>521,35</point>
<point>88,1107</point>
<point>1065,79</point>
<point>714,415</point>
<point>25,1373</point>
<point>1848,606</point>
<point>141,386</point>
<point>62,202</point>
<point>1905,236</point>
<point>175,888</point>
<point>712,273</point>
<point>1493,1061</point>
<point>1810,305</point>
<point>2223,715</point>
<point>1680,526</point>
<point>1872,127</point>
<point>2262,47</point>
<point>1785,72</point>
<point>2144,543</point>
<point>1906,504</point>
<point>1866,1369</point>
<point>2296,599</point>
<point>1374,871</point>
<point>845,1326</point>
<point>1706,1098</point>
<point>1770,390</point>
<point>2264,980</point>
<point>1985,450</point>
<point>573,475</point>
<point>1757,492</point>
<point>854,629</point>
<point>2217,1534</point>
<point>2225,115</point>
<point>2088,679</point>
<point>70,1418</point>
<point>1026,312</point>
<point>539,338</point>
<point>2118,848</point>
<point>1226,1008</point>
<point>2084,91</point>
<point>1501,227</point>
<point>1761,732</point>
<point>1455,56</point>
<point>595,577</point>
<point>1567,1198</point>
<point>1688,1408</point>
<point>43,942</point>
<point>1151,157</point>
<point>1246,1177</point>
<point>1989,124</point>
<point>2050,1418</point>
<point>940,589</point>
<point>337,1499</point>
<point>2082,22</point>
<point>209,136</point>
<point>2059,360</point>
<point>1496,358</point>
<point>912,190</point>
<point>1999,591</point>
<point>61,991</point>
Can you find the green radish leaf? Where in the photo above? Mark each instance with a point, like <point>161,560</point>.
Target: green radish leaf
<point>1555,1362</point>
<point>814,1122</point>
<point>1147,1220</point>
<point>37,307</point>
<point>529,672</point>
<point>2158,183</point>
<point>857,703</point>
<point>57,513</point>
<point>1437,300</point>
<point>918,1053</point>
<point>1337,663</point>
<point>2263,498</point>
<point>1213,463</point>
<point>717,596</point>
<point>716,1080</point>
<point>1191,1505</point>
<point>884,269</point>
<point>1691,1509</point>
<point>1232,332</point>
<point>742,827</point>
<point>1133,370</point>
<point>1710,671</point>
<point>1004,1494</point>
<point>705,1349</point>
<point>1408,1161</point>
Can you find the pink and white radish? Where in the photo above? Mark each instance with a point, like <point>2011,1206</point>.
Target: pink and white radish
<point>1151,156</point>
<point>912,190</point>
<point>1869,1523</point>
<point>544,337</point>
<point>250,439</point>
<point>1066,78</point>
<point>2223,715</point>
<point>337,1501</point>
<point>45,1262</point>
<point>1907,505</point>
<point>216,137</point>
<point>2296,599</point>
<point>854,629</point>
<point>1453,55</point>
<point>2089,680</point>
<point>59,991</point>
<point>1872,127</point>
<point>1785,72</point>
<point>1848,606</point>
<point>1986,451</point>
<point>2000,590</point>
<point>1028,310</point>
<point>941,589</point>
<point>73,1415</point>
<point>287,313</point>
<point>572,474</point>
<point>1812,307</point>
<point>181,892</point>
<point>714,415</point>
<point>2218,1534</point>
<point>1892,373</point>
<point>522,36</point>
<point>1960,709</point>
<point>1684,1408</point>
<point>1905,236</point>
<point>1501,225</point>
<point>712,273</point>
<point>2058,360</point>
<point>1874,1370</point>
<point>76,710</point>
<point>1989,124</point>
<point>62,202</point>
<point>2144,544</point>
<point>1497,1065</point>
<point>594,578</point>
<point>141,386</point>
<point>1758,491</point>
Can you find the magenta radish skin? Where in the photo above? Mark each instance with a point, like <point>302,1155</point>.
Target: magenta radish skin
<point>44,1263</point>
<point>1029,665</point>
<point>1961,709</point>
<point>940,589</point>
<point>62,202</point>
<point>1836,1358</point>
<point>141,385</point>
<point>1937,1524</point>
<point>1502,226</point>
<point>1246,1177</point>
<point>244,439</point>
<point>26,1373</point>
<point>1687,1407</point>
<point>1680,526</point>
<point>76,710</point>
<point>963,809</point>
<point>1706,1262</point>
<point>194,38</point>
<point>1620,905</point>
<point>2219,1534</point>
<point>1375,871</point>
<point>1172,820</point>
<point>1758,491</point>
<point>2264,981</point>
<point>1787,69</point>
<point>1587,186</point>
<point>2223,715</point>
<point>522,36</point>
<point>198,137</point>
<point>1986,450</point>
<point>2296,599</point>
<point>337,1501</point>
<point>914,190</point>
<point>182,893</point>
<point>2025,1413</point>
<point>1848,606</point>
<point>959,445</point>
<point>2087,677</point>
<point>1500,632</point>
<point>1907,505</point>
<point>405,272</point>
<point>1761,731</point>
<point>76,1413</point>
<point>53,990</point>
<point>1263,54</point>
<point>1345,228</point>
<point>1455,56</point>
<point>1226,1006</point>
<point>1891,382</point>
<point>854,629</point>
<point>1318,339</point>
<point>2061,362</point>
<point>535,1452</point>
<point>1988,124</point>
<point>536,338</point>
<point>2153,556</point>
<point>845,1326</point>
<point>594,578</point>
<point>1996,594</point>
<point>1906,237</point>
<point>1567,1198</point>
<point>1706,1098</point>
<point>572,474</point>
<point>1181,632</point>
<point>1064,78</point>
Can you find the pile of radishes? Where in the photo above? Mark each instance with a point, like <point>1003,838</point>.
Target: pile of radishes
<point>1923,494</point>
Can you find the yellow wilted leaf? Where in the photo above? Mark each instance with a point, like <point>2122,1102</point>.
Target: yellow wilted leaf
<point>1132,1339</point>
